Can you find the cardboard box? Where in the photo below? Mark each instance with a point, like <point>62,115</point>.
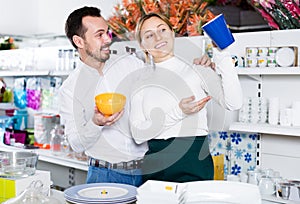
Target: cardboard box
<point>10,188</point>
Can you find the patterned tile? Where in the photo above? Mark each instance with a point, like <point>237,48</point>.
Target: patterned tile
<point>239,150</point>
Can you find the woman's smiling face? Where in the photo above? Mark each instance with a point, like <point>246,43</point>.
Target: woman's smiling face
<point>157,38</point>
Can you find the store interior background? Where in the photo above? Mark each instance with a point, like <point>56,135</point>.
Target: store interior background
<point>38,28</point>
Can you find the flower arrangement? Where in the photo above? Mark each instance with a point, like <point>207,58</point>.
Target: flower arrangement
<point>186,16</point>
<point>280,14</point>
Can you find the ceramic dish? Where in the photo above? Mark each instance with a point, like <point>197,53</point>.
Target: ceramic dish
<point>222,192</point>
<point>285,57</point>
<point>104,193</point>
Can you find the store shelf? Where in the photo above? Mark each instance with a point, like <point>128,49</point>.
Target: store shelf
<point>269,71</point>
<point>46,155</point>
<point>15,73</point>
<point>265,128</point>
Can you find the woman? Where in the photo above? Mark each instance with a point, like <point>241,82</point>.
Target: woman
<point>176,134</point>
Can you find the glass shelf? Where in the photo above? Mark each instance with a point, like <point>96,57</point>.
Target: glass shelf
<point>265,128</point>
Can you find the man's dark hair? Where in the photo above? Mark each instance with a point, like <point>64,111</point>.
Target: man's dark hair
<point>74,25</point>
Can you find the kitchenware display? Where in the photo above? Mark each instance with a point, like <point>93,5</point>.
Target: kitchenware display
<point>285,57</point>
<point>161,192</point>
<point>106,193</point>
<point>271,56</point>
<point>17,164</point>
<point>110,103</point>
<point>219,32</point>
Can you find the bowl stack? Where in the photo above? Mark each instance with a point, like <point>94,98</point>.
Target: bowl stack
<point>17,164</point>
<point>159,192</point>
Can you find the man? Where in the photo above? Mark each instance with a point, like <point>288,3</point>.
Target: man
<point>113,155</point>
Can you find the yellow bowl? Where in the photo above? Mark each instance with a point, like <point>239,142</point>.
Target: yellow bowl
<point>110,103</point>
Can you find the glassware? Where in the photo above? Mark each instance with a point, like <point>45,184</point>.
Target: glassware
<point>266,186</point>
<point>65,147</point>
<point>56,139</point>
<point>254,177</point>
<point>33,194</point>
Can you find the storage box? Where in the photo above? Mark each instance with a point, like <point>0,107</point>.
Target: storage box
<point>10,188</point>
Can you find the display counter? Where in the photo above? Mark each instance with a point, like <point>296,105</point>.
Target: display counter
<point>65,172</point>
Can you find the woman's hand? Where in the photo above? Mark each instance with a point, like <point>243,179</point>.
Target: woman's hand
<point>189,107</point>
<point>205,61</point>
<point>102,120</point>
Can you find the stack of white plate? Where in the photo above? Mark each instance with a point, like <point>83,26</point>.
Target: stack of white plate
<point>160,192</point>
<point>218,192</point>
<point>101,193</point>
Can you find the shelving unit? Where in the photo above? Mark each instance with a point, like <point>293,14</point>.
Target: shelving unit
<point>269,71</point>
<point>265,128</point>
<point>278,146</point>
<point>27,73</point>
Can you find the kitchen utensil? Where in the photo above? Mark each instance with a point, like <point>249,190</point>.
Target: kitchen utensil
<point>110,103</point>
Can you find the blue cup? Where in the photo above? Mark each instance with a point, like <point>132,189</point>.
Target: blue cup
<point>218,32</point>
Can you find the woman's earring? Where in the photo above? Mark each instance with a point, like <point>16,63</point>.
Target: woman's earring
<point>151,61</point>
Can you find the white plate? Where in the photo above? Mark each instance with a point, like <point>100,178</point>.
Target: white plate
<point>285,57</point>
<point>222,192</point>
<point>101,193</point>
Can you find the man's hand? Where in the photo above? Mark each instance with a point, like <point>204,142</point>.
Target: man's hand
<point>102,120</point>
<point>205,61</point>
<point>189,107</point>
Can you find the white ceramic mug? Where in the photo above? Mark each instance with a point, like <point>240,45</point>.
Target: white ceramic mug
<point>251,61</point>
<point>271,61</point>
<point>272,51</point>
<point>273,111</point>
<point>251,51</point>
<point>263,51</point>
<point>285,117</point>
<point>262,61</point>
